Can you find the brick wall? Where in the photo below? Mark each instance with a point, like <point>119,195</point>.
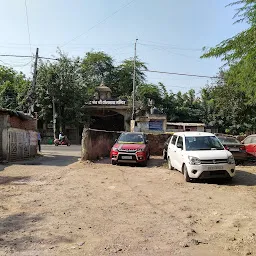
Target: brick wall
<point>16,122</point>
<point>156,143</point>
<point>96,144</point>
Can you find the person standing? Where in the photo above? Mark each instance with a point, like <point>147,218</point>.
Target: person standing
<point>39,141</point>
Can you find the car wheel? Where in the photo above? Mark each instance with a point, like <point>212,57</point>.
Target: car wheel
<point>164,154</point>
<point>229,179</point>
<point>56,144</point>
<point>144,163</point>
<point>185,173</point>
<point>113,162</point>
<point>170,164</point>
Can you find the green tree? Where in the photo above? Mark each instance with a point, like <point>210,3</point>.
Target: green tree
<point>122,82</point>
<point>14,89</point>
<point>234,99</point>
<point>242,45</point>
<point>61,81</point>
<point>96,67</point>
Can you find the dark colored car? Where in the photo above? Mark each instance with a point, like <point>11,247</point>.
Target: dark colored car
<point>130,147</point>
<point>250,145</point>
<point>166,148</point>
<point>235,147</point>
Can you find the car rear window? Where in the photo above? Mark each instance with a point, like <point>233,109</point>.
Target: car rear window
<point>250,140</point>
<point>228,140</point>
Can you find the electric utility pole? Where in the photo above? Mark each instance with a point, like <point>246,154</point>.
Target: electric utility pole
<point>54,115</point>
<point>33,87</point>
<point>134,81</point>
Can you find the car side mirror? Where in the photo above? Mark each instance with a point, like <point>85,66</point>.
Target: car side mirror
<point>146,141</point>
<point>115,140</point>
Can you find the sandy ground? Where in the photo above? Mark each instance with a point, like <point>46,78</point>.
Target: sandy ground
<point>55,205</point>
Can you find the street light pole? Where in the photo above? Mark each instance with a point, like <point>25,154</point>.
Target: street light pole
<point>134,81</point>
<point>54,117</point>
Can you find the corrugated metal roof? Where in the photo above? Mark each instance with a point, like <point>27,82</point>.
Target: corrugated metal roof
<point>19,114</point>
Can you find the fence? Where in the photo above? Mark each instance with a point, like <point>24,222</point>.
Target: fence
<point>98,143</point>
<point>18,144</point>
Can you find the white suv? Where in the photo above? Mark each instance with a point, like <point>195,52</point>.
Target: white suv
<point>199,155</point>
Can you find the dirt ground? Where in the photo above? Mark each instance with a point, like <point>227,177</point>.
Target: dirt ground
<point>55,205</point>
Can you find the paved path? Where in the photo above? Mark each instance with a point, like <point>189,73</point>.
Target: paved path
<point>59,156</point>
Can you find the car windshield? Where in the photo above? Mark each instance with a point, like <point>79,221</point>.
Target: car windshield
<point>133,138</point>
<point>194,143</point>
<point>228,140</point>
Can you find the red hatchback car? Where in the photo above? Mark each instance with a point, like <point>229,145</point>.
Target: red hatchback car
<point>250,145</point>
<point>130,147</point>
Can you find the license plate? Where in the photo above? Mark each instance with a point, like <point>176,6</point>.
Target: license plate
<point>127,157</point>
<point>215,167</point>
<point>234,149</point>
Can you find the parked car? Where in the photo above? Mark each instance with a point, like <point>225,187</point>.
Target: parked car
<point>166,148</point>
<point>200,155</point>
<point>131,147</point>
<point>250,145</point>
<point>235,147</point>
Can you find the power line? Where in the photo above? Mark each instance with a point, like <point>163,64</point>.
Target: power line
<point>172,46</point>
<point>145,70</point>
<point>17,56</point>
<point>100,22</point>
<point>16,66</point>
<point>26,56</point>
<point>47,58</point>
<point>164,49</point>
<point>178,74</point>
<point>28,25</point>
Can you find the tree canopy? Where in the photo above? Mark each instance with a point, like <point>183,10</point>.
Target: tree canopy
<point>232,100</point>
<point>13,89</point>
<point>228,103</point>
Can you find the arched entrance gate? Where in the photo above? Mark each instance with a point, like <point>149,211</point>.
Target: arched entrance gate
<point>106,113</point>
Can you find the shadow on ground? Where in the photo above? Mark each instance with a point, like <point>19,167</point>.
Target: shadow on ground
<point>18,233</point>
<point>17,180</point>
<point>242,178</point>
<point>154,161</point>
<point>51,160</point>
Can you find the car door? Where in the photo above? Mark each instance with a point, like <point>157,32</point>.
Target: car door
<point>179,153</point>
<point>172,150</point>
<point>249,143</point>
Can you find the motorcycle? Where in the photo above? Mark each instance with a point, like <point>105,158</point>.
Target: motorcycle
<point>65,142</point>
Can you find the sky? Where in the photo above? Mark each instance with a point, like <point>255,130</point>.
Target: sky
<point>170,33</point>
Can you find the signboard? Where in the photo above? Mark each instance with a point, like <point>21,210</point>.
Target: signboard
<point>107,102</point>
<point>156,125</point>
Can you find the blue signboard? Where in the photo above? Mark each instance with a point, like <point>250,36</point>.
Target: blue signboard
<point>156,125</point>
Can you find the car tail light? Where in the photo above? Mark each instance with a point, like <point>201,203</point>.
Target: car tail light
<point>114,151</point>
<point>226,147</point>
<point>242,148</point>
